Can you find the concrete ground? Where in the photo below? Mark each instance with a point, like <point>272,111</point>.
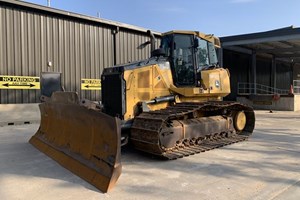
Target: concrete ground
<point>265,167</point>
<point>19,114</point>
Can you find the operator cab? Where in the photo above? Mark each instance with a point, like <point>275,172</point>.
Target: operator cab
<point>188,55</point>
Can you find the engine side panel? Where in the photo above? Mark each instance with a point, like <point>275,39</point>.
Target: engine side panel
<point>145,84</point>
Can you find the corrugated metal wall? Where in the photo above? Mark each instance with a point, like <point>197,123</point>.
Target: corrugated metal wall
<point>239,65</point>
<point>263,71</point>
<point>296,72</point>
<point>284,75</point>
<point>129,47</point>
<point>78,48</point>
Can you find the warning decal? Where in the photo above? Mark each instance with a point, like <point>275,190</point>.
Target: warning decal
<point>19,82</point>
<point>90,84</point>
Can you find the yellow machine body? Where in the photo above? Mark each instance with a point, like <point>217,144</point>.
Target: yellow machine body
<point>147,83</point>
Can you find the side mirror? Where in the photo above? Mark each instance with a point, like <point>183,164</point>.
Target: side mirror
<point>158,52</point>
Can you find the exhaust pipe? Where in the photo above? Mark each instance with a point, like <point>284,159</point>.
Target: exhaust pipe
<point>152,40</point>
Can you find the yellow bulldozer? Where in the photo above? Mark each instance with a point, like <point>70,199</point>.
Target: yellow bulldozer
<point>170,105</point>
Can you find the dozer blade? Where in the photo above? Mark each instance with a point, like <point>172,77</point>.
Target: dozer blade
<point>86,142</point>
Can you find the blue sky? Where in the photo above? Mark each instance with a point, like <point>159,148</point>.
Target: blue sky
<point>220,17</point>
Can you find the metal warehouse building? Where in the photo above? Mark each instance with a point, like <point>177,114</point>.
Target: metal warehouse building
<point>35,39</point>
<point>263,65</point>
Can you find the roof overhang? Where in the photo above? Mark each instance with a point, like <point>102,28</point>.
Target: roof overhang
<point>54,11</point>
<point>282,44</point>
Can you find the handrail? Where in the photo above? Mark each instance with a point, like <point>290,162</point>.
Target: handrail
<point>252,88</point>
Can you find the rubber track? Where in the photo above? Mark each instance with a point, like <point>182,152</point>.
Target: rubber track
<point>150,123</point>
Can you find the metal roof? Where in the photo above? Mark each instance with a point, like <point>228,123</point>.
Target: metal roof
<point>283,44</point>
<point>55,11</point>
